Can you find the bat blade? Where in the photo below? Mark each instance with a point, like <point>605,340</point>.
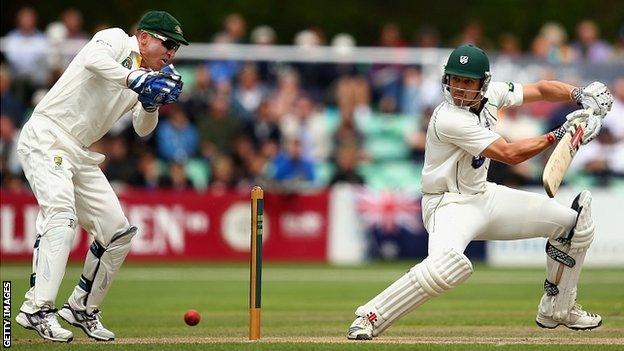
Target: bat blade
<point>561,157</point>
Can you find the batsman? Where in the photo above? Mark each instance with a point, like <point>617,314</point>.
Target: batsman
<point>459,205</point>
<point>112,74</point>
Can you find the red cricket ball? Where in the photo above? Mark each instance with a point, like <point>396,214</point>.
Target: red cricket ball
<point>192,317</point>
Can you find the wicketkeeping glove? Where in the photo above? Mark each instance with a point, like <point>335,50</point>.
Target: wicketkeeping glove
<point>595,96</point>
<point>155,88</point>
<point>174,94</point>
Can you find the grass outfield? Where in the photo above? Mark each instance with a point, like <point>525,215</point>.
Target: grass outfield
<point>309,307</point>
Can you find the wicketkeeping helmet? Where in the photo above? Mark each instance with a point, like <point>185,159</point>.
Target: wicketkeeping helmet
<point>471,62</point>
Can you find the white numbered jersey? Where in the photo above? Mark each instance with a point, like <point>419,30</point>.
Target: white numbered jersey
<point>456,137</point>
<point>92,95</point>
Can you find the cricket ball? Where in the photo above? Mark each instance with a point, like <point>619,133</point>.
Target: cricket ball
<point>192,317</point>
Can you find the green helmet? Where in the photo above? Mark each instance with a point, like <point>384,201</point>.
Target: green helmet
<point>471,62</point>
<point>468,61</point>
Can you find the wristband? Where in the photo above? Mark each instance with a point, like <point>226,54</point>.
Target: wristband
<point>576,94</point>
<point>558,132</point>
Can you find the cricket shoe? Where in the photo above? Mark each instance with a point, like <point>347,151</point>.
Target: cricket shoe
<point>89,322</point>
<point>577,319</point>
<point>360,329</point>
<point>44,322</point>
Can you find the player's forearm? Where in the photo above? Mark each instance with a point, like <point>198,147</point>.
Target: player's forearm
<point>519,151</point>
<point>144,122</point>
<point>525,149</point>
<point>549,90</point>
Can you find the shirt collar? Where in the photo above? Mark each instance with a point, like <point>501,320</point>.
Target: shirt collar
<point>133,42</point>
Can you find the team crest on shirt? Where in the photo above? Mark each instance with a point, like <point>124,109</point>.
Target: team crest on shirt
<point>127,62</point>
<point>477,161</point>
<point>463,59</point>
<point>58,161</point>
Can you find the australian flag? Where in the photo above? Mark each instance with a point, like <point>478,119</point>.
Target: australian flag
<point>393,222</point>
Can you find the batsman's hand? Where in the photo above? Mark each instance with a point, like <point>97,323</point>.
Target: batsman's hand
<point>588,116</point>
<point>592,129</point>
<point>597,97</point>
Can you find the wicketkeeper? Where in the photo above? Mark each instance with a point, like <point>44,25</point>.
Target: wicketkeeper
<point>112,74</point>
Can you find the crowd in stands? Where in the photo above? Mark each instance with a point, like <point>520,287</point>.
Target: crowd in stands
<point>303,126</point>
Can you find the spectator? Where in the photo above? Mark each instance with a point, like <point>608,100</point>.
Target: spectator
<point>177,179</point>
<point>415,136</point>
<point>148,175</point>
<point>234,29</point>
<point>284,97</point>
<point>177,138</point>
<point>25,51</point>
<point>411,94</point>
<point>427,37</point>
<point>291,169</point>
<point>218,129</point>
<point>472,33</point>
<point>265,36</point>
<point>310,127</point>
<point>65,39</point>
<point>264,127</point>
<point>197,101</point>
<point>256,173</point>
<point>223,175</point>
<point>589,47</point>
<point>386,78</point>
<point>249,91</point>
<point>347,135</point>
<point>72,20</point>
<point>9,163</point>
<point>555,39</point>
<point>509,46</point>
<point>603,158</point>
<point>346,163</point>
<point>615,119</point>
<point>10,105</point>
<point>120,166</point>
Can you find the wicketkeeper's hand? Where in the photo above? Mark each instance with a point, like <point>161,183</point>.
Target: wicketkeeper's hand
<point>595,96</point>
<point>174,94</point>
<point>155,88</point>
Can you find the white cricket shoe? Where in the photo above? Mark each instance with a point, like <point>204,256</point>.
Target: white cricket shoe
<point>44,322</point>
<point>577,319</point>
<point>89,323</point>
<point>360,329</point>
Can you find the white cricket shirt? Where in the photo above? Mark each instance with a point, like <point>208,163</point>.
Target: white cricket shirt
<point>92,95</point>
<point>455,139</point>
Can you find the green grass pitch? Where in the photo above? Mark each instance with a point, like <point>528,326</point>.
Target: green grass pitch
<point>309,307</point>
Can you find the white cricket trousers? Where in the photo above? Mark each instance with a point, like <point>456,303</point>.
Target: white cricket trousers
<point>67,182</point>
<point>499,213</point>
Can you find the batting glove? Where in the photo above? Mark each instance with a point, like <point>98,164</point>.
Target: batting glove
<point>595,96</point>
<point>578,116</point>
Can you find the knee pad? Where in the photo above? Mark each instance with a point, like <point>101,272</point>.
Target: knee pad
<point>582,234</point>
<point>442,272</point>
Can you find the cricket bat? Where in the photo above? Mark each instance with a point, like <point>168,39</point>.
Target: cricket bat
<point>561,157</point>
